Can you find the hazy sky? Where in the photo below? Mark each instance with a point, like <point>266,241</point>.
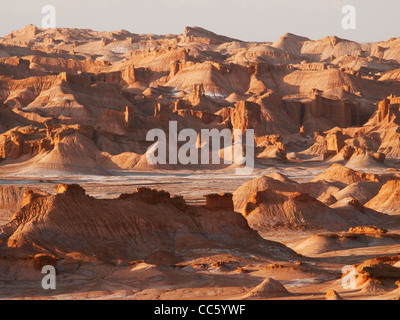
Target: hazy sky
<point>250,20</point>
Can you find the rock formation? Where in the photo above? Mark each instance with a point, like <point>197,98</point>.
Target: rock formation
<point>76,103</point>
<point>345,175</point>
<point>387,199</point>
<point>131,227</point>
<point>269,288</point>
<point>219,201</point>
<point>113,87</point>
<point>273,204</point>
<point>367,229</point>
<point>333,295</point>
<point>377,274</point>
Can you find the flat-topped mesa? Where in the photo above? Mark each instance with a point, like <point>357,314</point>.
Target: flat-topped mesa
<point>153,196</point>
<point>219,201</point>
<point>70,189</point>
<point>341,113</point>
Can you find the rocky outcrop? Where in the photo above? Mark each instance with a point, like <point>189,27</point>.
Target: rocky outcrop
<point>70,189</point>
<point>267,210</point>
<point>269,288</point>
<point>222,201</point>
<point>242,194</point>
<point>377,274</point>
<point>40,260</point>
<point>130,227</point>
<point>204,117</point>
<point>387,199</point>
<point>335,144</point>
<point>113,87</point>
<point>161,109</point>
<point>333,295</point>
<point>247,115</point>
<point>271,146</point>
<point>337,172</point>
<point>154,197</point>
<point>12,198</point>
<point>205,36</point>
<point>340,113</point>
<point>317,244</point>
<point>335,141</point>
<point>275,204</point>
<point>388,107</point>
<point>20,141</point>
<point>129,117</point>
<point>367,229</point>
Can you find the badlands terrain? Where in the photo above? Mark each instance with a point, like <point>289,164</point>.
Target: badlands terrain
<point>321,206</point>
